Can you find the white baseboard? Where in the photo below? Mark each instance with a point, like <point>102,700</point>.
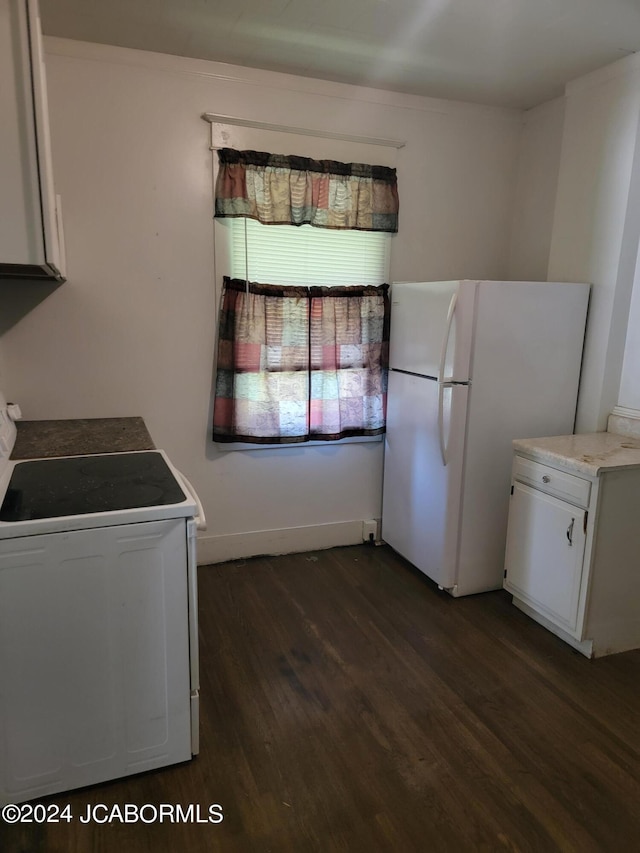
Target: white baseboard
<point>288,540</point>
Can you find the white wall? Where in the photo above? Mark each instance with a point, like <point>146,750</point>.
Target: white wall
<point>629,394</point>
<point>597,221</point>
<point>535,191</point>
<point>4,380</point>
<point>132,331</point>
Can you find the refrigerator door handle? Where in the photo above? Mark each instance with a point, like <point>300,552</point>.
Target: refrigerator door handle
<point>443,446</point>
<point>442,380</point>
<point>447,335</point>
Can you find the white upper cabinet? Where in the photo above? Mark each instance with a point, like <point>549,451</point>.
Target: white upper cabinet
<point>30,225</point>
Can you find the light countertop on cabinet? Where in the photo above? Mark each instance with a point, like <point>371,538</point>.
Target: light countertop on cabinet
<point>589,453</point>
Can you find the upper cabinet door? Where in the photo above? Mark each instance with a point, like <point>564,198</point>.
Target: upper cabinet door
<point>30,236</point>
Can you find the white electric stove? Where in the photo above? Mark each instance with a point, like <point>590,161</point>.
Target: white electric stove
<point>98,618</point>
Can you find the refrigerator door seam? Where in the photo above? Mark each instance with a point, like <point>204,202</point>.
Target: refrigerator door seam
<point>448,384</point>
<point>413,373</point>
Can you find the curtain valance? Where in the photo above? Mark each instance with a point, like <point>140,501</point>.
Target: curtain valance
<point>281,189</point>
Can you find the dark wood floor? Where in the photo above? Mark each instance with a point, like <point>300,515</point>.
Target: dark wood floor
<point>347,705</point>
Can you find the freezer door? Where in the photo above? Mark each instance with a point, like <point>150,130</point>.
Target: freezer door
<point>432,328</point>
<point>421,494</point>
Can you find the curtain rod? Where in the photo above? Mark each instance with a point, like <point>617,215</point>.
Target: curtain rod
<point>212,118</point>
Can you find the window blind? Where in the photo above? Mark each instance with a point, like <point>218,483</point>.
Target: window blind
<point>303,255</point>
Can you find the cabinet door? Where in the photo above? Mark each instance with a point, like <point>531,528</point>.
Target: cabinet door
<point>545,553</point>
<point>30,245</point>
<point>50,202</point>
<point>21,236</point>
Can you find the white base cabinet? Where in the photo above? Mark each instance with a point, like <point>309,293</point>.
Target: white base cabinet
<point>573,553</point>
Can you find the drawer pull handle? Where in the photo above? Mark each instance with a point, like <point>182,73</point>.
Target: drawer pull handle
<point>546,479</point>
<point>570,532</point>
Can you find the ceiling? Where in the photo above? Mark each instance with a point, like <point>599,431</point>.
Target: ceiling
<point>515,53</point>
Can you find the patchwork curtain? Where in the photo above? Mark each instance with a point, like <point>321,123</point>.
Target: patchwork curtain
<point>277,189</point>
<point>297,363</point>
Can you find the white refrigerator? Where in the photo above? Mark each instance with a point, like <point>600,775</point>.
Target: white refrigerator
<point>473,365</point>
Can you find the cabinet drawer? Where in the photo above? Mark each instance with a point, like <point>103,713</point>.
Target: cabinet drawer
<point>552,481</point>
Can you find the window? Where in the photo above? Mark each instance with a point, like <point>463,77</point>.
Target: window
<point>304,319</point>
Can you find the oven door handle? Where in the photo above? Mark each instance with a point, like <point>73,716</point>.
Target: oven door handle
<point>200,519</point>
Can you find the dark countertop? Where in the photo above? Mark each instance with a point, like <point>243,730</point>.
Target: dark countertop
<point>80,436</point>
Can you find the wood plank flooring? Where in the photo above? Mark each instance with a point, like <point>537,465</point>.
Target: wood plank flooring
<point>348,705</point>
